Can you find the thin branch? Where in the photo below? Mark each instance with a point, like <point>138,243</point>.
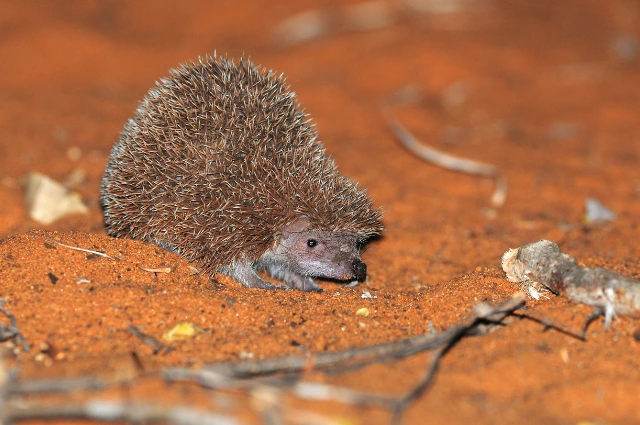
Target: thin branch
<point>428,376</point>
<point>549,324</point>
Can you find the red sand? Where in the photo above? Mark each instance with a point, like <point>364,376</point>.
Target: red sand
<point>532,87</point>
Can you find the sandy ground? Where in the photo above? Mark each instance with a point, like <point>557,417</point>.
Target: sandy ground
<point>547,91</point>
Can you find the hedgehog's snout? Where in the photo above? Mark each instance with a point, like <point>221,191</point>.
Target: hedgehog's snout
<point>359,269</point>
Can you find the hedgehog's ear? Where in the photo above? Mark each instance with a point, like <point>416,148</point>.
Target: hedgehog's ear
<point>300,224</point>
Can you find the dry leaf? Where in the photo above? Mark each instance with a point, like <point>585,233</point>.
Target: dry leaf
<point>47,200</point>
<point>158,270</point>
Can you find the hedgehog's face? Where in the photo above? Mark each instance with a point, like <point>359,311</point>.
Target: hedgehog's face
<point>333,255</point>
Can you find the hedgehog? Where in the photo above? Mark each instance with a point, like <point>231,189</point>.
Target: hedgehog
<point>221,165</point>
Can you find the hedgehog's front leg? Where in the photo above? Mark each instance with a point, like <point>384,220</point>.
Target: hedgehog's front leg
<point>246,275</point>
<point>281,271</point>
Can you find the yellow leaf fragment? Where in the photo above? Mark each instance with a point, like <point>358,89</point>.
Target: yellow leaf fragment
<point>364,312</point>
<point>181,331</point>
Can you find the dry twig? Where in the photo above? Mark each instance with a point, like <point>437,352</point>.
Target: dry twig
<point>446,160</point>
<point>158,347</point>
<point>115,411</point>
<point>102,254</point>
<point>549,324</point>
<point>11,331</point>
<point>56,385</point>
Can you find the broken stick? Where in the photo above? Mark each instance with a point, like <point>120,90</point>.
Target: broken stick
<point>541,265</point>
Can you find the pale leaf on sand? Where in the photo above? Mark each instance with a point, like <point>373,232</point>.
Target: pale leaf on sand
<point>48,200</point>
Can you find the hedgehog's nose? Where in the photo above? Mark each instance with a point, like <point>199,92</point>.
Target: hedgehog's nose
<point>359,269</point>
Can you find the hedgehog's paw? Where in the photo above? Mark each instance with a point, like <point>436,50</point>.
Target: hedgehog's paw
<point>247,276</point>
<point>303,283</point>
<point>294,280</point>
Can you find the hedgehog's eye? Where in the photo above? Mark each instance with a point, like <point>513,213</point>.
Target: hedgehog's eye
<point>311,243</point>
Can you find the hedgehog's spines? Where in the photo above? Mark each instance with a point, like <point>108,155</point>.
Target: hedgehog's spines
<point>218,158</point>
